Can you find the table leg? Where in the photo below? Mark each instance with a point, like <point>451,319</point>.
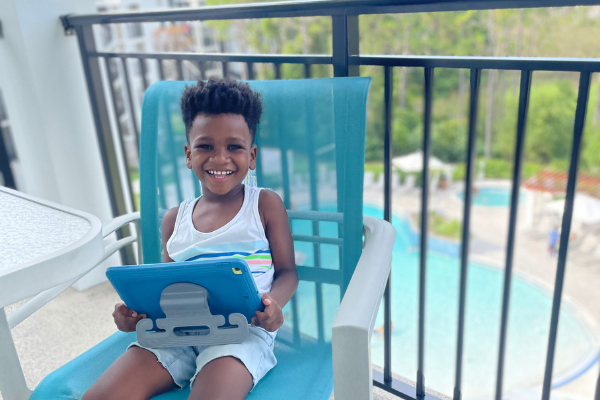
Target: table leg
<point>12,380</point>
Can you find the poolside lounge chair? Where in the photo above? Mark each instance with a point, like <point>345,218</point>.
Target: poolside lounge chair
<point>309,127</point>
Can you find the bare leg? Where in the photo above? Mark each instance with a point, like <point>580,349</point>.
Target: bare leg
<point>224,378</point>
<point>135,375</point>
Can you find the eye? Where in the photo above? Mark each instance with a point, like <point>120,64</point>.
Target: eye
<point>233,147</point>
<point>204,146</point>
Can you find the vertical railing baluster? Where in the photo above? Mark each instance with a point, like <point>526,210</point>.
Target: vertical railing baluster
<point>582,101</point>
<point>202,68</point>
<point>225,67</point>
<point>345,43</point>
<point>307,73</point>
<point>136,129</point>
<point>144,71</point>
<point>277,68</point>
<point>250,69</point>
<point>180,70</point>
<point>424,221</point>
<point>464,251</point>
<point>387,215</point>
<point>161,69</point>
<point>111,79</point>
<point>512,224</point>
<point>287,201</point>
<point>314,203</point>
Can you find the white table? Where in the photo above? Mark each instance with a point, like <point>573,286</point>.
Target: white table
<point>43,245</point>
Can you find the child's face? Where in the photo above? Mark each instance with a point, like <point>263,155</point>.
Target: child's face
<point>220,151</point>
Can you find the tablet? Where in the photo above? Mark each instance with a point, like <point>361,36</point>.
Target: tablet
<point>229,282</point>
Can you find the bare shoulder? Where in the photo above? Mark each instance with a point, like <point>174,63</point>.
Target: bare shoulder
<point>167,228</point>
<point>168,223</point>
<point>270,205</point>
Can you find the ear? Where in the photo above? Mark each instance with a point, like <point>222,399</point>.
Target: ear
<point>188,155</point>
<point>253,153</point>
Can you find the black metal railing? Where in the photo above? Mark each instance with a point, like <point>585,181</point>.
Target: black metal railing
<point>346,60</point>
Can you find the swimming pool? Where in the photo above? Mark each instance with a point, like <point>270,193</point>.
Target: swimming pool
<point>528,325</point>
<point>491,197</point>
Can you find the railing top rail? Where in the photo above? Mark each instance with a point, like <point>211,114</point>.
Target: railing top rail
<point>310,8</point>
<point>224,57</point>
<point>507,63</point>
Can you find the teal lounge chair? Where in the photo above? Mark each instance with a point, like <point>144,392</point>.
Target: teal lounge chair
<point>311,151</point>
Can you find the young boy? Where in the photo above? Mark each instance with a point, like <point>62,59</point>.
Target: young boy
<point>220,117</point>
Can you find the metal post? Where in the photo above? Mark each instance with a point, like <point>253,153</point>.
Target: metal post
<point>582,101</point>
<point>180,70</point>
<point>345,43</point>
<point>250,68</point>
<point>144,72</point>
<point>424,222</point>
<point>512,224</point>
<point>225,67</point>
<point>111,80</point>
<point>387,215</point>
<point>464,250</point>
<point>136,128</point>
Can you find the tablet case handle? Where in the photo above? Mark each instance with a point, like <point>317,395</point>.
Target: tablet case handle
<point>189,322</point>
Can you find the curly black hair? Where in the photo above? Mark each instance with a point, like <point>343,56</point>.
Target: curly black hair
<point>221,96</point>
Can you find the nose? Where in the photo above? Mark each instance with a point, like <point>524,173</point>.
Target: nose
<point>220,155</point>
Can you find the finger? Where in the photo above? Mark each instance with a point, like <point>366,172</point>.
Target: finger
<point>121,308</point>
<point>139,317</point>
<point>253,321</point>
<point>269,311</point>
<point>266,299</point>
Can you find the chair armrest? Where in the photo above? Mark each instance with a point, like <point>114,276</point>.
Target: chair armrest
<point>354,322</point>
<point>118,223</point>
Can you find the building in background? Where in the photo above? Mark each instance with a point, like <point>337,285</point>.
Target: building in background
<point>129,77</point>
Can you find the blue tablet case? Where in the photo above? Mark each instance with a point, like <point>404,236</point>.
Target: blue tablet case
<point>187,303</point>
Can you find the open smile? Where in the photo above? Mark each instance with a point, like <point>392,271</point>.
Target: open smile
<point>219,175</point>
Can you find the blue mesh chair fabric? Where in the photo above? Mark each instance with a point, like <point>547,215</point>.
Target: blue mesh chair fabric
<point>311,151</point>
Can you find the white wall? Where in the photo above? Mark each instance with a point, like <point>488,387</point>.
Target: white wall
<point>42,79</point>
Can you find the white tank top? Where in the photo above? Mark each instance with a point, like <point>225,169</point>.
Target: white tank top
<point>242,237</point>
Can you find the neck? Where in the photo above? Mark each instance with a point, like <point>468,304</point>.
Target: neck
<point>233,195</point>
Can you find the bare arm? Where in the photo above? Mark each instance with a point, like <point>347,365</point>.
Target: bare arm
<point>279,235</point>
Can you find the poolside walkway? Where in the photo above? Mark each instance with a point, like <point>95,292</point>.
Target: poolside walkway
<point>489,230</point>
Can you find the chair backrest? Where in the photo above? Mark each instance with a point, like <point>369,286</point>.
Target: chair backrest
<point>310,150</point>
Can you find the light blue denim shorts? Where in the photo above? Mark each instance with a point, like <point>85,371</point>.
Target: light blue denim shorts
<point>184,363</point>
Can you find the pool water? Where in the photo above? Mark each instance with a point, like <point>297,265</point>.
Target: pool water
<point>528,324</point>
<point>491,197</point>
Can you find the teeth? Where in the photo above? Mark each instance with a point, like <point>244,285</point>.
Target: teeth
<point>213,172</point>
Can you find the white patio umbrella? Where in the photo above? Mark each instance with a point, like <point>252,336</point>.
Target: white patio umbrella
<point>586,209</point>
<point>413,162</point>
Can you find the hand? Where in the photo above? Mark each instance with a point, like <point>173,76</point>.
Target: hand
<point>125,318</point>
<point>270,319</point>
